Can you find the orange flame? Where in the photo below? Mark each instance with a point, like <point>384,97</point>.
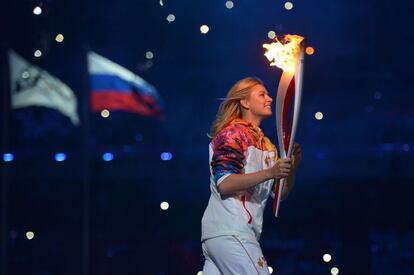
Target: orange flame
<point>284,54</point>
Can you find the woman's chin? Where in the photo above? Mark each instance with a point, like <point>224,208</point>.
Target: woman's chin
<point>267,114</point>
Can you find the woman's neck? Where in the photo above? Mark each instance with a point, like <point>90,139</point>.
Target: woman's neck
<point>252,119</point>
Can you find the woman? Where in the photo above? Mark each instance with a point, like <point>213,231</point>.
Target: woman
<point>243,165</point>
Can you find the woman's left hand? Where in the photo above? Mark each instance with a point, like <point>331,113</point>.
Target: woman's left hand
<point>296,155</point>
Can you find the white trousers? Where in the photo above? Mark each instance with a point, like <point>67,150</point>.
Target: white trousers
<point>226,255</point>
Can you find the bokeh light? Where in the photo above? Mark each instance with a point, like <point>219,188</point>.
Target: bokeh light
<point>7,157</point>
<point>30,235</point>
<point>229,4</point>
<point>327,258</point>
<point>37,53</point>
<point>164,205</point>
<point>288,5</point>
<point>171,18</point>
<point>166,156</point>
<point>204,29</point>
<point>59,38</point>
<point>270,269</point>
<point>105,113</point>
<point>310,50</point>
<point>318,115</point>
<point>108,156</point>
<point>37,10</point>
<point>149,55</point>
<point>60,157</point>
<point>334,271</point>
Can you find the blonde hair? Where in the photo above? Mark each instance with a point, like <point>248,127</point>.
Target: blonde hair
<point>231,108</point>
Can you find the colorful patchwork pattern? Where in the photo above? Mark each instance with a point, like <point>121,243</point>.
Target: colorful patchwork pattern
<point>230,145</point>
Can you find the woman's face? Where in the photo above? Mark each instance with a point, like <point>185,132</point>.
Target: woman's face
<point>258,102</point>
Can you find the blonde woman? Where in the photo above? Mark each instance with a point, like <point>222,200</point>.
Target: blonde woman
<point>243,165</point>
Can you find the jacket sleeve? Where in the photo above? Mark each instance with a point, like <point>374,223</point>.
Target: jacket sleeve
<point>228,155</point>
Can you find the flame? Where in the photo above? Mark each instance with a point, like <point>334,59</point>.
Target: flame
<point>284,54</point>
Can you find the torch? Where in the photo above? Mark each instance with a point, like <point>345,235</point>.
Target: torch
<point>289,56</point>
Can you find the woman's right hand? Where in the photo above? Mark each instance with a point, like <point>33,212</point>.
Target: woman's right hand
<point>281,169</point>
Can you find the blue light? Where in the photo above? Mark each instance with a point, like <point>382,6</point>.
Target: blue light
<point>60,157</point>
<point>8,157</point>
<point>108,156</point>
<point>166,156</point>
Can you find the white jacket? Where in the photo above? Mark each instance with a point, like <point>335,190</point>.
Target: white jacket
<point>240,148</point>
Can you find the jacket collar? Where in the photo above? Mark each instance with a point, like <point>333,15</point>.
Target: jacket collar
<point>257,132</point>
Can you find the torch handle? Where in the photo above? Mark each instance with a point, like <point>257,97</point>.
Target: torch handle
<point>289,85</point>
<point>298,99</point>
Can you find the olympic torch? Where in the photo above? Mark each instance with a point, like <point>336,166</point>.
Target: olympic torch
<point>289,56</point>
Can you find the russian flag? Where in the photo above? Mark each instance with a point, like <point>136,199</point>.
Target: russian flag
<point>113,87</point>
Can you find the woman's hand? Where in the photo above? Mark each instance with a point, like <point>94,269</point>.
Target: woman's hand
<point>285,167</point>
<point>296,155</point>
<point>281,169</point>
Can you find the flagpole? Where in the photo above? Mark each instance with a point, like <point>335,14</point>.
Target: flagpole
<point>85,103</point>
<point>4,146</point>
<point>86,172</point>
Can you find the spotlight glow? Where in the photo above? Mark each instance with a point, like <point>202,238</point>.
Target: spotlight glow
<point>29,235</point>
<point>37,10</point>
<point>334,271</point>
<point>60,157</point>
<point>149,55</point>
<point>229,4</point>
<point>105,113</point>
<point>200,273</point>
<point>204,29</point>
<point>171,18</point>
<point>288,5</point>
<point>164,205</point>
<point>327,258</point>
<point>271,34</point>
<point>59,38</point>
<point>161,3</point>
<point>318,115</point>
<point>7,157</point>
<point>108,156</point>
<point>38,53</point>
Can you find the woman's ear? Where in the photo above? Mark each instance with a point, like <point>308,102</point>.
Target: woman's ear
<point>244,103</point>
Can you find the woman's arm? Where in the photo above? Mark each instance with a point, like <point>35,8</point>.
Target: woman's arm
<point>240,182</point>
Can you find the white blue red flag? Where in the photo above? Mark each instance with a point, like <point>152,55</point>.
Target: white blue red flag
<point>114,87</point>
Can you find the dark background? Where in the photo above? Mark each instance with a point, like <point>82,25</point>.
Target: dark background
<point>353,193</point>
